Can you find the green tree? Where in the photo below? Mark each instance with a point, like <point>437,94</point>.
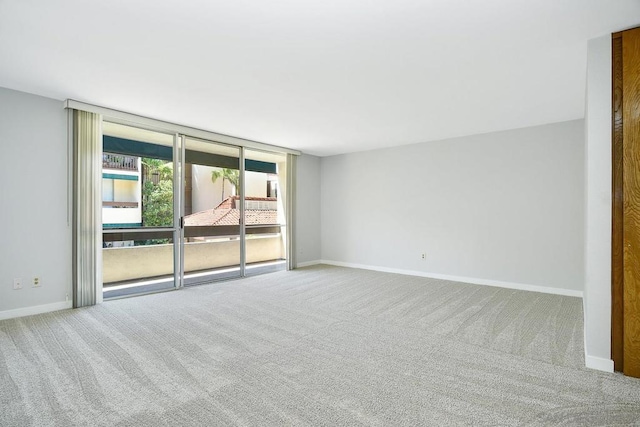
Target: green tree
<point>231,175</point>
<point>161,168</point>
<point>157,204</point>
<point>157,195</point>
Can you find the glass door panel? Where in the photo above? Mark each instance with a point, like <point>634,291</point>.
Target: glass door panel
<point>138,210</point>
<point>265,192</point>
<point>211,206</point>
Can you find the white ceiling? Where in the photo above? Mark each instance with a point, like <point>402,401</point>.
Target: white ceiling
<point>321,76</point>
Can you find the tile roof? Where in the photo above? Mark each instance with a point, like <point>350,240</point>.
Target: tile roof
<point>208,217</point>
<point>226,214</point>
<point>231,202</point>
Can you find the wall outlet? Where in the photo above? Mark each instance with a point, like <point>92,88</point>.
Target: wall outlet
<point>17,284</point>
<point>36,282</point>
<point>423,257</point>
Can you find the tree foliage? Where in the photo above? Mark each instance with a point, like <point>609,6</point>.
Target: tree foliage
<point>157,204</point>
<point>157,195</point>
<point>162,168</point>
<point>231,175</point>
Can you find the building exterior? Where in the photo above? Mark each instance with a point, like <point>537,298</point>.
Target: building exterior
<point>121,191</point>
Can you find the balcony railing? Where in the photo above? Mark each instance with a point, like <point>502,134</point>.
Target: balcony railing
<point>119,162</point>
<point>132,263</point>
<point>120,204</point>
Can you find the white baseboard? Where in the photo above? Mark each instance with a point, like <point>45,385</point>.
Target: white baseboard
<point>472,280</point>
<point>36,309</point>
<point>598,363</point>
<point>308,263</point>
<point>594,362</point>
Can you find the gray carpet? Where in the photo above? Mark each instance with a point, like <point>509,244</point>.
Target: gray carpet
<point>318,346</point>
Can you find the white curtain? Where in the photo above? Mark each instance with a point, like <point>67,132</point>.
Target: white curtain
<point>87,208</point>
<point>287,186</point>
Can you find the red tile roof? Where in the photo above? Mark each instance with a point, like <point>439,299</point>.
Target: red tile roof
<point>227,214</point>
<point>231,202</point>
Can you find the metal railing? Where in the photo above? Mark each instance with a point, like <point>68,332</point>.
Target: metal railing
<point>119,162</point>
<point>120,204</point>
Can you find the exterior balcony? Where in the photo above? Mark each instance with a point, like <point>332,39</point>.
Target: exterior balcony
<point>120,162</point>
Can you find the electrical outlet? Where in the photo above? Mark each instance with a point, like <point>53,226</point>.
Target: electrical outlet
<point>17,284</point>
<point>424,257</point>
<point>36,282</point>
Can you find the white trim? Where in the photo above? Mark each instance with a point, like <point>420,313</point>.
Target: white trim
<point>584,328</point>
<point>176,128</point>
<point>308,263</point>
<point>36,309</point>
<point>594,362</point>
<point>472,280</point>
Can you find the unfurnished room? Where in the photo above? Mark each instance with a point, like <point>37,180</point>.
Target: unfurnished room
<point>320,213</point>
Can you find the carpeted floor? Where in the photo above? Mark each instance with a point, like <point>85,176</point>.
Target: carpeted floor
<point>320,346</point>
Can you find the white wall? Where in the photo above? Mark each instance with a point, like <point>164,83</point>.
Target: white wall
<point>597,294</point>
<point>256,184</point>
<point>504,206</point>
<point>36,236</point>
<point>126,191</point>
<point>307,227</point>
<point>122,216</point>
<point>207,194</point>
<point>107,190</point>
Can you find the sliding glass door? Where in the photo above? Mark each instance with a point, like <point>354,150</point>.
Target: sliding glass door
<point>264,214</point>
<point>139,210</point>
<point>180,211</point>
<point>211,243</point>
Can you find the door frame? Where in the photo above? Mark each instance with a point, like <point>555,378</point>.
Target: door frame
<point>617,208</point>
<point>177,229</point>
<point>625,235</point>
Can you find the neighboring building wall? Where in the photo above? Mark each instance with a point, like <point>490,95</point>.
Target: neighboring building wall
<point>127,191</point>
<point>122,216</point>
<point>598,206</point>
<point>499,207</point>
<point>207,194</point>
<point>256,184</point>
<point>107,190</point>
<point>37,234</point>
<point>122,190</point>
